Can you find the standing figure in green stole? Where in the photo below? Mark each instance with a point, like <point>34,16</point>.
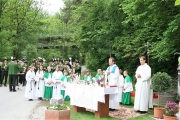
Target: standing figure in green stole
<point>87,77</point>
<point>64,80</point>
<point>48,84</point>
<point>127,88</point>
<point>99,76</point>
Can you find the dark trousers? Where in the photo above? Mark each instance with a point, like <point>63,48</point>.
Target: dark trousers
<point>12,82</point>
<point>19,79</point>
<point>4,74</point>
<point>23,79</point>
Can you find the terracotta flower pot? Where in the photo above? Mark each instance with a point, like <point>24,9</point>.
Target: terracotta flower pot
<point>158,112</point>
<point>170,117</point>
<point>57,114</point>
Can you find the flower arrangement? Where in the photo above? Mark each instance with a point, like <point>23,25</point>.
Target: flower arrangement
<point>58,107</point>
<point>171,108</point>
<point>99,80</point>
<point>73,76</point>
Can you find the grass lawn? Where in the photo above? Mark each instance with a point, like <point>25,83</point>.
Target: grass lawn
<point>85,115</point>
<point>90,116</point>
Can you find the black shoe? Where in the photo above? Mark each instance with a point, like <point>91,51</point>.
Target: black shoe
<point>40,98</point>
<point>5,85</point>
<point>110,109</point>
<point>142,112</point>
<point>14,90</point>
<point>10,90</point>
<point>30,100</point>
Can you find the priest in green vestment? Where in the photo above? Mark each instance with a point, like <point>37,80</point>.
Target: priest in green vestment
<point>64,80</point>
<point>127,88</point>
<point>48,84</point>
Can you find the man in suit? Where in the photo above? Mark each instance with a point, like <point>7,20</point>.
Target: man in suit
<point>12,72</point>
<point>4,72</point>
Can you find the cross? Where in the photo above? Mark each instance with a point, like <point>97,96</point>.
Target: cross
<point>148,45</point>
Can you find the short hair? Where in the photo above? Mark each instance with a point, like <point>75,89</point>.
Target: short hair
<point>49,67</point>
<point>113,59</point>
<point>30,67</point>
<point>126,71</point>
<point>143,57</point>
<point>120,71</point>
<point>57,66</point>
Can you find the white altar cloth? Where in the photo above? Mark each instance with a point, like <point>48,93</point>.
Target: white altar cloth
<point>88,96</point>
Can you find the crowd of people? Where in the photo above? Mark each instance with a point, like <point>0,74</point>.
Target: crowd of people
<point>41,79</point>
<point>47,80</point>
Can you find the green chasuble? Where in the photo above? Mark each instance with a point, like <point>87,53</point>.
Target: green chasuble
<point>97,76</point>
<point>48,89</point>
<point>67,98</point>
<point>85,77</point>
<point>126,96</point>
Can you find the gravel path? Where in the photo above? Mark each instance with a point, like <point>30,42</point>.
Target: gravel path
<point>14,106</point>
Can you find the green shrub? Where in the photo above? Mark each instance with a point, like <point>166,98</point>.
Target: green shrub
<point>161,81</point>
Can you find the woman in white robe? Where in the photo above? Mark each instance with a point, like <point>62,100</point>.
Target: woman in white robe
<point>30,78</point>
<point>57,75</point>
<point>121,84</point>
<point>40,83</point>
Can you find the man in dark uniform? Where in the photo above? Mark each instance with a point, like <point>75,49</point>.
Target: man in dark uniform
<point>12,71</point>
<point>24,71</point>
<point>61,65</point>
<point>4,72</point>
<point>78,68</point>
<point>45,65</point>
<point>52,64</point>
<point>68,63</point>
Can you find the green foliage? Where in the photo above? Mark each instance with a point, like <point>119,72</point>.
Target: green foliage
<point>94,30</point>
<point>161,81</point>
<point>177,2</point>
<point>58,107</point>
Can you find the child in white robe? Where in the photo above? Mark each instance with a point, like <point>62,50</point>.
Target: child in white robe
<point>48,90</point>
<point>57,75</point>
<point>30,78</point>
<point>40,83</point>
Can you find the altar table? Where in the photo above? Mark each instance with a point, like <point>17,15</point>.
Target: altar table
<point>96,98</point>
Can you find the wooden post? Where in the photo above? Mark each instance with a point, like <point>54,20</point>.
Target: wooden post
<point>103,108</point>
<point>148,45</point>
<point>78,109</point>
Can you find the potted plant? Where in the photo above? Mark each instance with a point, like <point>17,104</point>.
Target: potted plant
<point>170,111</point>
<point>160,83</point>
<point>57,110</point>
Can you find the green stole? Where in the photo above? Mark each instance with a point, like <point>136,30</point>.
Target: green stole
<point>85,77</point>
<point>97,76</point>
<point>46,75</point>
<point>67,78</point>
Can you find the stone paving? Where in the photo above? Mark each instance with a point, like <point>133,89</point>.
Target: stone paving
<point>14,106</point>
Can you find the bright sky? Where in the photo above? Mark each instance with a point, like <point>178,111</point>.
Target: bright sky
<point>52,6</point>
